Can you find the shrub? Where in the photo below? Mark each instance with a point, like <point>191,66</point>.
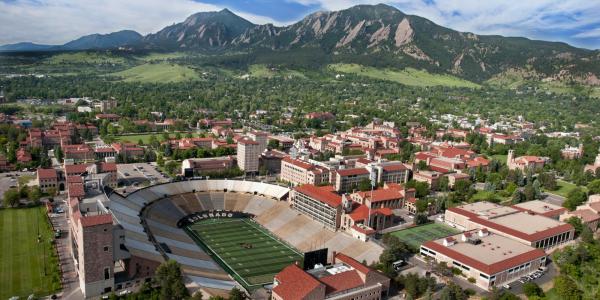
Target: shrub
<point>471,280</point>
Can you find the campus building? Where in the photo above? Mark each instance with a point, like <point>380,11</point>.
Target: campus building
<point>319,203</point>
<point>490,258</point>
<point>522,226</point>
<point>344,279</point>
<point>248,153</point>
<point>297,172</point>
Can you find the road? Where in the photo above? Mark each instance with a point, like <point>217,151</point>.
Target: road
<point>554,199</point>
<point>69,278</point>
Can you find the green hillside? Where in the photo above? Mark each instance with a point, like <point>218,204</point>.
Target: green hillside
<point>159,72</point>
<point>407,76</point>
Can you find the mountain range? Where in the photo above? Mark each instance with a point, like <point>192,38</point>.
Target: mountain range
<point>377,35</point>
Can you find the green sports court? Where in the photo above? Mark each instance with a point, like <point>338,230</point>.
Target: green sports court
<point>415,236</point>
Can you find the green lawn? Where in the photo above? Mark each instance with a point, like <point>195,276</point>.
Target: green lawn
<point>415,236</point>
<point>407,76</point>
<point>564,188</point>
<point>262,71</point>
<point>22,258</point>
<point>158,73</point>
<point>161,56</point>
<point>500,157</point>
<point>84,58</point>
<point>244,248</point>
<point>145,137</point>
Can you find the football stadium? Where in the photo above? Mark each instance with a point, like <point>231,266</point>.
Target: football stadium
<point>223,233</point>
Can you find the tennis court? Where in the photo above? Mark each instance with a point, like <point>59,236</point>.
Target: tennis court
<point>249,252</point>
<point>415,236</point>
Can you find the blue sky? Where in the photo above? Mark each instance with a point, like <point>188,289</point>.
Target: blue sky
<point>576,22</point>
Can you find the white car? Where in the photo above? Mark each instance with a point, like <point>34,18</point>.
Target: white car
<point>124,292</point>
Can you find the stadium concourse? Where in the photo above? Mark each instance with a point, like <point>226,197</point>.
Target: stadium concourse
<point>150,217</point>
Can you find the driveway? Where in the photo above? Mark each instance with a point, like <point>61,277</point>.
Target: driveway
<point>69,278</point>
<point>554,199</point>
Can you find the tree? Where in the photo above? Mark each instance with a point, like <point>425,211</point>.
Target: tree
<point>577,225</point>
<point>566,288</point>
<point>170,279</point>
<point>273,144</point>
<point>364,185</point>
<point>532,289</point>
<point>197,296</point>
<point>594,187</point>
<point>11,197</point>
<point>453,291</point>
<point>34,194</point>
<point>574,198</point>
<point>420,219</point>
<point>236,294</point>
<point>395,250</point>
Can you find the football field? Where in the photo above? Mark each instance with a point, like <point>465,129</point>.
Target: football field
<point>246,250</point>
<point>415,236</point>
<point>26,266</point>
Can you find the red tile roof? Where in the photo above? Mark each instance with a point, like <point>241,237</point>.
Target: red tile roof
<point>379,195</point>
<point>362,212</point>
<point>353,263</point>
<point>325,194</point>
<point>351,172</point>
<point>298,163</point>
<point>342,281</point>
<point>586,215</point>
<point>47,173</point>
<point>76,169</point>
<point>108,167</point>
<point>294,283</point>
<point>76,190</point>
<point>96,220</point>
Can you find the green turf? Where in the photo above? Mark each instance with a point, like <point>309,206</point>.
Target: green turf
<point>262,71</point>
<point>145,137</point>
<point>407,76</point>
<point>500,157</point>
<point>415,236</point>
<point>84,58</point>
<point>564,188</point>
<point>158,73</point>
<point>161,56</point>
<point>22,258</point>
<point>244,248</point>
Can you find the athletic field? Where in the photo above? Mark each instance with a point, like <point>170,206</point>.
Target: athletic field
<point>246,250</point>
<point>22,258</point>
<point>415,236</point>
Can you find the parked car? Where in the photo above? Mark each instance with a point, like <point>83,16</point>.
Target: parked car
<point>506,286</point>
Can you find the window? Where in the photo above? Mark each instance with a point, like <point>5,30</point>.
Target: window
<point>105,248</point>
<point>106,273</point>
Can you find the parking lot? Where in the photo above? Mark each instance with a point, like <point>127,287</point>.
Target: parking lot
<point>11,180</point>
<point>137,175</point>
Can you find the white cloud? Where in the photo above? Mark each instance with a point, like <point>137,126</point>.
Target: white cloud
<point>59,21</point>
<point>594,33</point>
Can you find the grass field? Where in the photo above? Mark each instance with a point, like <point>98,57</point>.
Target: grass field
<point>262,71</point>
<point>158,73</point>
<point>500,157</point>
<point>564,188</point>
<point>407,76</point>
<point>161,56</point>
<point>415,236</point>
<point>246,250</point>
<point>84,58</point>
<point>22,258</point>
<point>145,137</point>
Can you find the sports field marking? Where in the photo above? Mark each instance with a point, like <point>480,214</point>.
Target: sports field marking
<point>244,244</point>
